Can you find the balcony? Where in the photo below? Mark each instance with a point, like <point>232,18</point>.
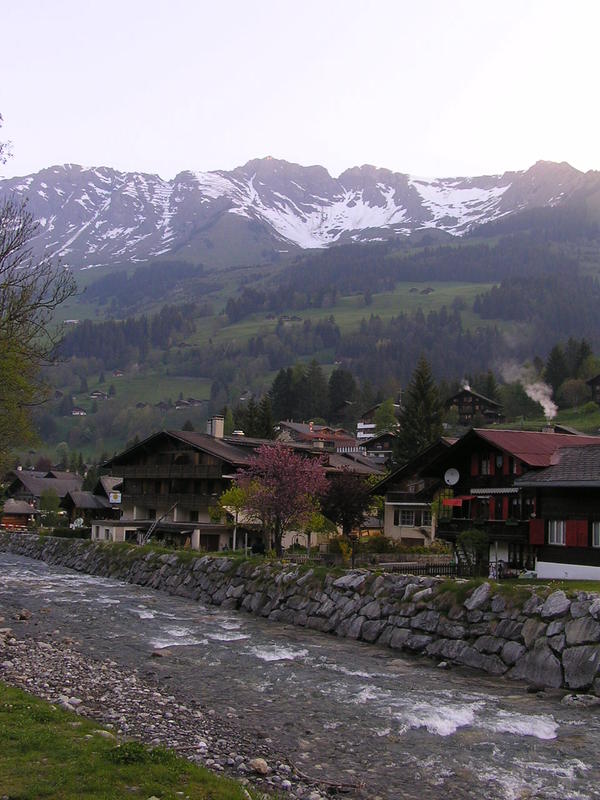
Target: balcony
<point>500,530</point>
<point>161,502</point>
<point>155,471</point>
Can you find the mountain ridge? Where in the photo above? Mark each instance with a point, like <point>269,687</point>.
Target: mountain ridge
<point>268,208</point>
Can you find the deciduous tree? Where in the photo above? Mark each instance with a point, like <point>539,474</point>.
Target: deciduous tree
<point>282,489</point>
<point>31,288</point>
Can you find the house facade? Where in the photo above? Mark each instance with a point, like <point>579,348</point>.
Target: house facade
<point>172,481</point>
<point>408,498</point>
<point>566,531</point>
<point>470,404</point>
<point>482,472</point>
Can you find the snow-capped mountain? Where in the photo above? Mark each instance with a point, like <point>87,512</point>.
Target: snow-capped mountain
<point>93,216</point>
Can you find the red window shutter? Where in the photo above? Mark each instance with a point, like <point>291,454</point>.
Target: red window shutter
<point>582,533</point>
<point>492,457</point>
<point>537,533</point>
<point>474,464</point>
<point>505,508</point>
<point>505,465</point>
<point>492,503</point>
<point>571,533</point>
<point>518,469</point>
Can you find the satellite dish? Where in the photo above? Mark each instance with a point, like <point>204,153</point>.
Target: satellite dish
<point>451,476</point>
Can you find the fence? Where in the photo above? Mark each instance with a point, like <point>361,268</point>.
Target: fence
<point>443,568</point>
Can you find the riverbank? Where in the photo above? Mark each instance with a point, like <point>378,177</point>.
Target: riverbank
<point>526,633</point>
<point>47,751</point>
<point>127,707</point>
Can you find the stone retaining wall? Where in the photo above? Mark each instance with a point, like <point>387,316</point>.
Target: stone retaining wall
<point>539,636</point>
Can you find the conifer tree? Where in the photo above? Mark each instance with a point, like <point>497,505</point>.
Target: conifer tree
<point>266,423</point>
<point>421,414</point>
<point>557,369</point>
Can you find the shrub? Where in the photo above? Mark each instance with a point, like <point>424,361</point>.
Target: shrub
<point>72,533</point>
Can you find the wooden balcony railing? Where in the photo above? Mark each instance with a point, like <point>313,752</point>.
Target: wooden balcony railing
<point>155,471</point>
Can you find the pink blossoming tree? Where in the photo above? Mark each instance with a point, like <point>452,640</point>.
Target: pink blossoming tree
<point>281,489</point>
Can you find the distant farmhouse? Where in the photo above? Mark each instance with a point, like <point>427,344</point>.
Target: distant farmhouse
<point>470,404</point>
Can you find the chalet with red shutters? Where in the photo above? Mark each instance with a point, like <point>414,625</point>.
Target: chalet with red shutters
<point>489,477</point>
<point>566,530</point>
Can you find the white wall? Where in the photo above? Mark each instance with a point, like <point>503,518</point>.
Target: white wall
<point>547,569</point>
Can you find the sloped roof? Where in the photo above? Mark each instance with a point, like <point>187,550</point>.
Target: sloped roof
<point>337,462</point>
<point>201,441</point>
<point>12,506</point>
<point>421,460</point>
<point>62,475</point>
<point>487,400</point>
<point>107,484</point>
<point>534,448</point>
<point>36,485</point>
<point>572,467</point>
<point>87,500</point>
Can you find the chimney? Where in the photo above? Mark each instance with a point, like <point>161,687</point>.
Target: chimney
<point>216,426</point>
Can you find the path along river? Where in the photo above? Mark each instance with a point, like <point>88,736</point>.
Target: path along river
<point>338,709</point>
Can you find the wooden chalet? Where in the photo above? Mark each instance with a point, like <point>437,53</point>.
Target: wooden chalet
<point>482,472</point>
<point>171,483</point>
<point>408,498</point>
<point>29,485</point>
<point>380,448</point>
<point>102,503</point>
<point>470,404</point>
<point>18,515</point>
<point>566,530</point>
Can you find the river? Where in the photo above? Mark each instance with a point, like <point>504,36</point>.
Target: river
<point>340,710</point>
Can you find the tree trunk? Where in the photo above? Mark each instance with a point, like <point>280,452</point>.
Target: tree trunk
<point>278,537</point>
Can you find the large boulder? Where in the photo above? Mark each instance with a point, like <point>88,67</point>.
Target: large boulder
<point>581,665</point>
<point>479,597</point>
<point>556,605</point>
<point>539,666</point>
<point>582,630</point>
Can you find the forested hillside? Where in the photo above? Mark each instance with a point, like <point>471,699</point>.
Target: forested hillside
<point>369,310</point>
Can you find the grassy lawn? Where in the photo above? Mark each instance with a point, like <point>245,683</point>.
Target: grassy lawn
<point>50,753</point>
<point>585,419</point>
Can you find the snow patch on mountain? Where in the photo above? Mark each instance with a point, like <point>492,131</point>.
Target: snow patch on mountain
<point>454,206</point>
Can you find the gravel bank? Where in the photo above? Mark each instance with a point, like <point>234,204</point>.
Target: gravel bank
<point>127,706</point>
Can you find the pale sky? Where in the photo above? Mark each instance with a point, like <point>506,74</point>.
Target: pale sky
<point>430,87</point>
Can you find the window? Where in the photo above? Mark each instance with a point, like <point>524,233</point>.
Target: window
<point>499,461</point>
<point>484,465</point>
<point>97,531</point>
<point>596,534</point>
<point>107,534</point>
<point>427,518</point>
<point>556,531</point>
<point>407,517</point>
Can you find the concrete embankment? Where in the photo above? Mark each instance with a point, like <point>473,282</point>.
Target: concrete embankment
<point>542,637</point>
